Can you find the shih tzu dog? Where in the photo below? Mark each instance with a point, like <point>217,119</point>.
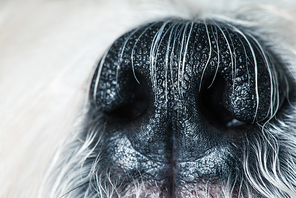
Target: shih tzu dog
<point>185,99</point>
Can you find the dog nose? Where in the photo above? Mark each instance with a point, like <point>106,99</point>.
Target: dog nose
<point>184,88</point>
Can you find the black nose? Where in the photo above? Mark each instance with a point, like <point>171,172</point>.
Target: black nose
<point>183,89</point>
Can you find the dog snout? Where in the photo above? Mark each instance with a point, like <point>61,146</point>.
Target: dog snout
<point>188,84</point>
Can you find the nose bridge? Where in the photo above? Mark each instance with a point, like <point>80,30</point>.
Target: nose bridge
<point>173,65</point>
<point>179,62</point>
<point>181,59</point>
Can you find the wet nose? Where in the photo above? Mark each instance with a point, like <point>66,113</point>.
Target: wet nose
<point>182,89</point>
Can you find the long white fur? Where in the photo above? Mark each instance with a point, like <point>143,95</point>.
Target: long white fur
<point>48,49</point>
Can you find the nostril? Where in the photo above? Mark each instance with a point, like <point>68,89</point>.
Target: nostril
<point>212,105</point>
<point>135,105</point>
<point>121,95</point>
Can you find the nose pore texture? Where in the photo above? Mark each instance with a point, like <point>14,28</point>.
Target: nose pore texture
<point>175,71</point>
<point>177,60</point>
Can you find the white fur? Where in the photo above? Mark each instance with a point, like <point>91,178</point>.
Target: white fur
<point>48,50</point>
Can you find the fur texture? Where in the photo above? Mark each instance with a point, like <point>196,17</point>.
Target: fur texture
<point>48,50</point>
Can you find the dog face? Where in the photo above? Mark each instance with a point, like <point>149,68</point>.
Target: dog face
<point>196,101</point>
